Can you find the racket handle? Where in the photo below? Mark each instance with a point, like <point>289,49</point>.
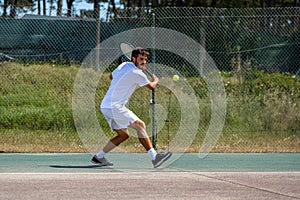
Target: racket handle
<point>149,73</point>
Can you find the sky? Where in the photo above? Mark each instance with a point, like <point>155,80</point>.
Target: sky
<point>78,5</point>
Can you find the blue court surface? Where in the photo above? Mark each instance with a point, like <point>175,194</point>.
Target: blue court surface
<point>184,176</point>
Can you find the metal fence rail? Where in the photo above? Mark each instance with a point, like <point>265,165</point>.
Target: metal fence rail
<point>237,77</point>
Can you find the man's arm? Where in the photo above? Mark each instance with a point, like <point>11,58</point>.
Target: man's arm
<point>152,85</point>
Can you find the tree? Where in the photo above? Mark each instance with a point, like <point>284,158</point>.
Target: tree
<point>13,7</point>
<point>213,3</point>
<point>69,7</point>
<point>44,7</point>
<point>5,6</point>
<point>59,7</point>
<point>96,9</point>
<point>39,7</point>
<point>154,3</point>
<point>114,10</point>
<point>270,3</point>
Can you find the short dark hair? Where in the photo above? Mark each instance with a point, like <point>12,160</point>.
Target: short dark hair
<point>139,51</point>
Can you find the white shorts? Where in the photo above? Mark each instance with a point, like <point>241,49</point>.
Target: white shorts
<point>119,118</point>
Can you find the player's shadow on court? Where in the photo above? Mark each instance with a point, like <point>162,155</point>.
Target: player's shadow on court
<point>75,166</point>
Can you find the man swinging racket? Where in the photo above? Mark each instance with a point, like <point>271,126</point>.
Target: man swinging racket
<point>125,78</point>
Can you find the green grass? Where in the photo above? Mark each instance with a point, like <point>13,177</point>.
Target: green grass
<point>39,140</point>
<point>263,112</point>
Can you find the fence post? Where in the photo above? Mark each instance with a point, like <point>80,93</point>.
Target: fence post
<point>154,129</point>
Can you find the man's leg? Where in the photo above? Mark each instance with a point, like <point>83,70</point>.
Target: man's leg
<point>123,135</point>
<point>140,128</point>
<point>157,159</point>
<point>99,158</point>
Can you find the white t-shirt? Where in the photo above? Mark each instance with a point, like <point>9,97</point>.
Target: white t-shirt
<point>126,77</point>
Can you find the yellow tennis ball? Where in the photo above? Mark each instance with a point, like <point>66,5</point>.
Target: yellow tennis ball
<point>175,78</point>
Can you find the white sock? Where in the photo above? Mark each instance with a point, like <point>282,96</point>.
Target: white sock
<point>152,153</point>
<point>101,154</point>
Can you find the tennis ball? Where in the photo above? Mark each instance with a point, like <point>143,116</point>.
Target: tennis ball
<point>175,78</point>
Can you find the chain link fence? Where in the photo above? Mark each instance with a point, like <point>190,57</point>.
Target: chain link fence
<point>238,89</point>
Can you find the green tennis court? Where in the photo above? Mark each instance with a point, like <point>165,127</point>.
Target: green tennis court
<point>217,176</point>
<point>214,162</point>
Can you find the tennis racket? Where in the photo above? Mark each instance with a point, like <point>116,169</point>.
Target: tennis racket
<point>126,50</point>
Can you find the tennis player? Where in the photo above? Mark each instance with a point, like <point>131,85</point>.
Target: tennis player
<point>125,78</point>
